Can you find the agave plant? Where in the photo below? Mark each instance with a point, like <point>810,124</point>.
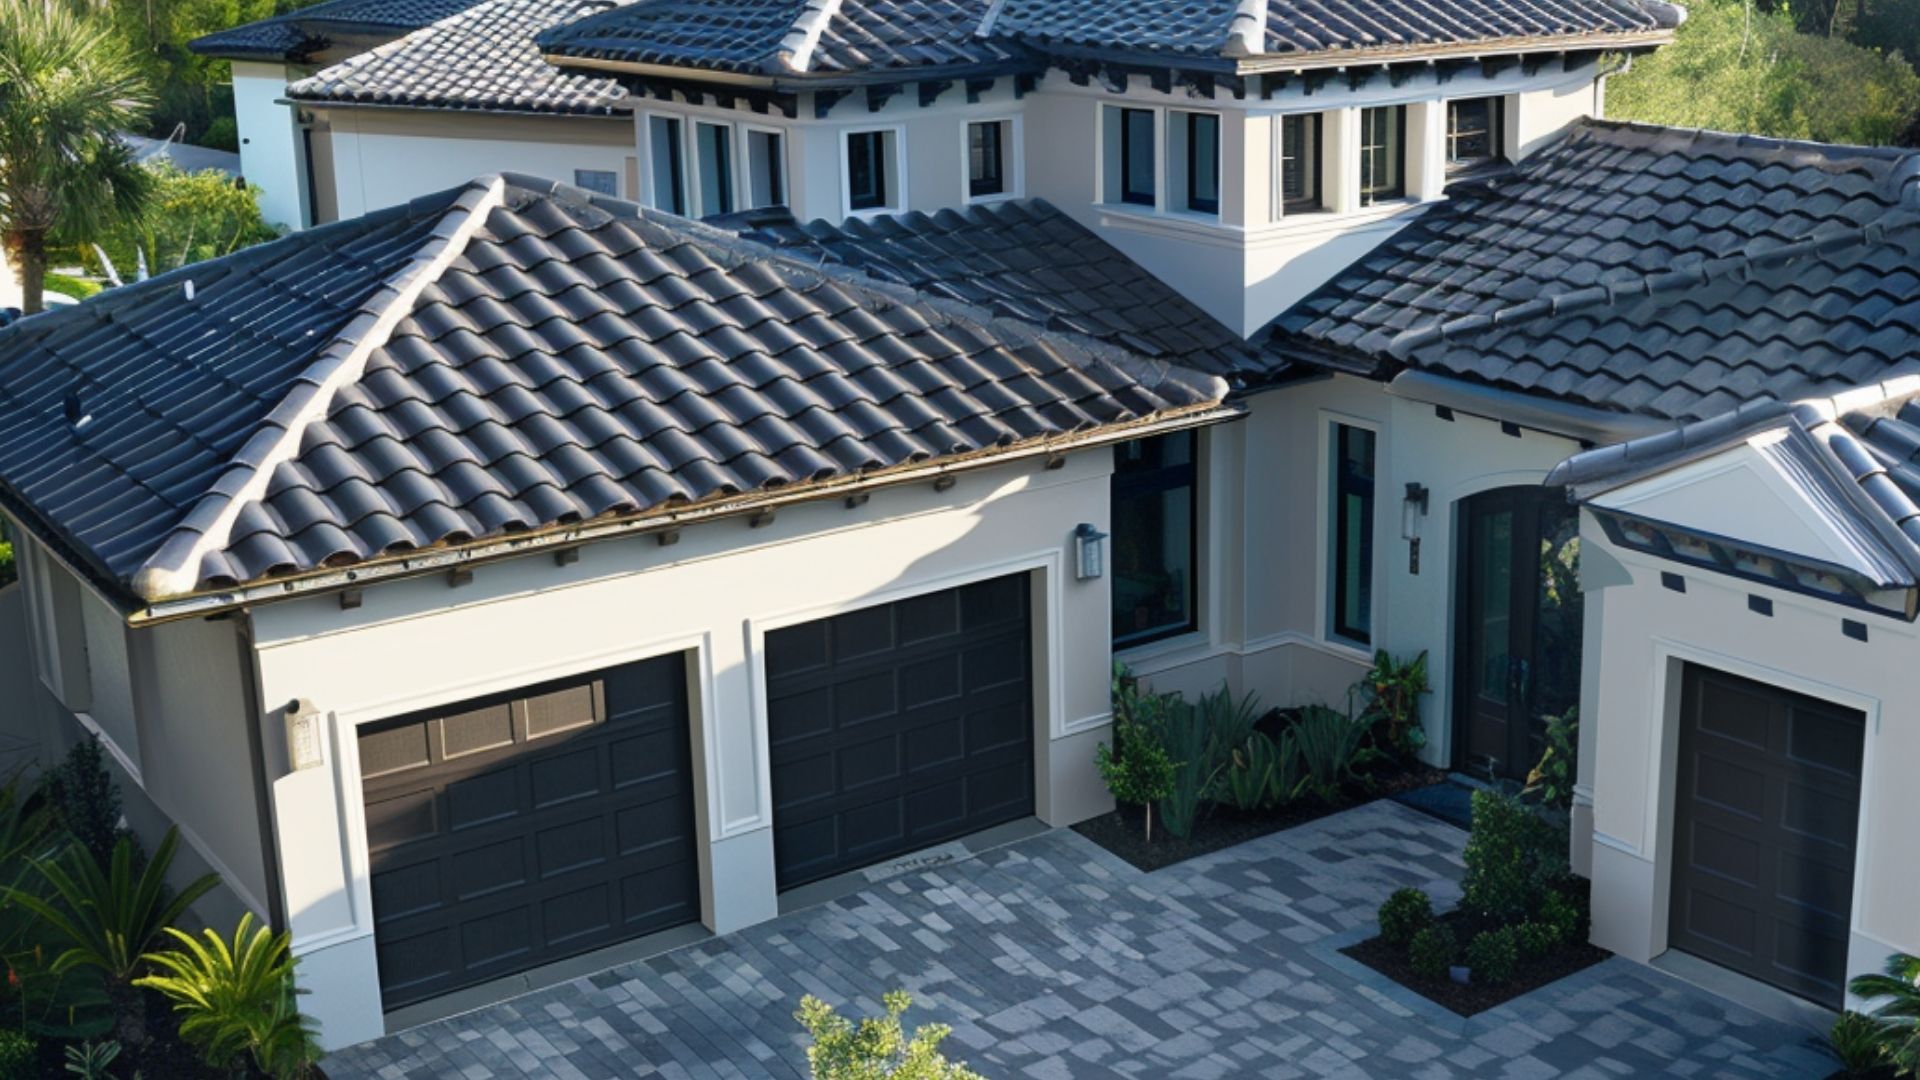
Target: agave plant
<point>1898,1016</point>
<point>238,998</point>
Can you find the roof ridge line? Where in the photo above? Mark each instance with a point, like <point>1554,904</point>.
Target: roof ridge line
<point>172,570</point>
<point>1246,30</point>
<point>795,51</point>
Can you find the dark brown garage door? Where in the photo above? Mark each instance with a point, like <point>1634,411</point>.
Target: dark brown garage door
<point>1767,808</point>
<point>899,726</point>
<point>513,831</point>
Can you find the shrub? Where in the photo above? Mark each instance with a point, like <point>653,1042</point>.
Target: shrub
<point>1431,952</point>
<point>877,1049</point>
<point>1182,730</point>
<point>1535,939</point>
<point>1562,918</point>
<point>1854,1041</point>
<point>84,798</point>
<point>1329,743</point>
<point>238,1000</point>
<point>1493,955</point>
<point>1513,859</point>
<point>1138,772</point>
<point>19,1055</point>
<point>1405,913</point>
<point>1391,691</point>
<point>1551,781</point>
<point>1898,1016</point>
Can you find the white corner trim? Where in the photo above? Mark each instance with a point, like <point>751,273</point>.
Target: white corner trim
<point>334,369</point>
<point>1247,30</point>
<point>1085,723</point>
<point>796,48</point>
<point>1622,846</point>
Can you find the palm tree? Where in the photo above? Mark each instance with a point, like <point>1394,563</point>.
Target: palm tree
<point>67,89</point>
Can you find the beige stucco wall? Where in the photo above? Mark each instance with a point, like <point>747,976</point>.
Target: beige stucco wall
<point>415,644</point>
<point>1634,655</point>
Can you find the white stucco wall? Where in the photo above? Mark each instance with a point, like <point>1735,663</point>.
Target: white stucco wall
<point>1634,654</point>
<point>415,644</point>
<point>383,158</point>
<point>271,158</point>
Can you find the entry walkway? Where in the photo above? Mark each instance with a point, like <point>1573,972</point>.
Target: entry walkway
<point>1052,960</point>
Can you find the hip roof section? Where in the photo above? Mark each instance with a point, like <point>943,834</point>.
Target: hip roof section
<point>310,29</point>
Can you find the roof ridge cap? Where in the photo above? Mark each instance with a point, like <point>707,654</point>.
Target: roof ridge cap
<point>172,570</point>
<point>794,54</point>
<point>1246,30</point>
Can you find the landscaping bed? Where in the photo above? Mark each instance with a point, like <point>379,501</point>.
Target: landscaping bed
<point>1466,999</point>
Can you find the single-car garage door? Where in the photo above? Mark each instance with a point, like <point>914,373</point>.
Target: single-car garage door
<point>899,726</point>
<point>1767,807</point>
<point>516,830</point>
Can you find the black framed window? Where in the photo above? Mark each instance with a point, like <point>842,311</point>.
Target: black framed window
<point>766,182</point>
<point>713,150</point>
<point>1136,156</point>
<point>1350,549</point>
<point>986,158</point>
<point>1473,132</point>
<point>1155,534</point>
<point>1383,163</point>
<point>1203,162</point>
<point>869,186</point>
<point>669,167</point>
<point>1300,163</point>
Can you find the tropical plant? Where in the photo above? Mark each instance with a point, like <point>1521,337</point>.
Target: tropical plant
<point>1330,744</point>
<point>1854,1042</point>
<point>90,1060</point>
<point>1432,951</point>
<point>67,89</point>
<point>1493,955</point>
<point>1182,730</point>
<point>1514,859</point>
<point>878,1048</point>
<point>1229,724</point>
<point>103,920</point>
<point>1261,772</point>
<point>1138,772</point>
<point>237,999</point>
<point>1404,914</point>
<point>1391,692</point>
<point>1898,1015</point>
<point>189,217</point>
<point>83,795</point>
<point>19,1055</point>
<point>1551,781</point>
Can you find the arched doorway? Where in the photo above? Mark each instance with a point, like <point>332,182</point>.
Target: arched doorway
<point>1517,644</point>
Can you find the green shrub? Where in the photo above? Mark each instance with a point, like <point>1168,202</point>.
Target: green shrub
<point>1562,918</point>
<point>1405,913</point>
<point>1535,939</point>
<point>1391,691</point>
<point>1898,1015</point>
<point>1855,1042</point>
<point>237,1000</point>
<point>1432,951</point>
<point>1493,955</point>
<point>1330,747</point>
<point>877,1049</point>
<point>19,1055</point>
<point>1551,781</point>
<point>84,798</point>
<point>1138,771</point>
<point>1182,730</point>
<point>1513,857</point>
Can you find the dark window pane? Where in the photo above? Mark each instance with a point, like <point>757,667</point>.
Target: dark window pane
<point>985,175</point>
<point>669,192</point>
<point>1154,565</point>
<point>1473,132</point>
<point>598,181</point>
<point>1383,172</point>
<point>1136,156</point>
<point>766,181</point>
<point>1299,163</point>
<point>713,149</point>
<point>1352,541</point>
<point>867,170</point>
<point>1203,163</point>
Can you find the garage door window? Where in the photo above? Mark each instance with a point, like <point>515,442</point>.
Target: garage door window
<point>1154,539</point>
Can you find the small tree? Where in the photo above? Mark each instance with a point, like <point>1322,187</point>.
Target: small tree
<point>1139,771</point>
<point>878,1048</point>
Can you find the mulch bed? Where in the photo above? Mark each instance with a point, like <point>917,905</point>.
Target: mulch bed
<point>1123,831</point>
<point>1467,999</point>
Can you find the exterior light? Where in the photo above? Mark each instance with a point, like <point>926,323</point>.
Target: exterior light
<point>1088,543</point>
<point>1412,509</point>
<point>305,736</point>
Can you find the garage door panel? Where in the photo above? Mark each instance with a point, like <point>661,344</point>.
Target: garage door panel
<point>880,747</point>
<point>1728,855</point>
<point>1820,817</point>
<point>1826,741</point>
<point>490,859</point>
<point>1731,787</point>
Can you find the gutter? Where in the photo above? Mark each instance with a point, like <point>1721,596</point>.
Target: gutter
<point>415,564</point>
<point>794,84</point>
<point>1582,423</point>
<point>612,112</point>
<point>1278,63</point>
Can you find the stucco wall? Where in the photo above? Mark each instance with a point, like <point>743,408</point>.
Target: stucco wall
<point>383,158</point>
<point>1634,655</point>
<point>415,644</point>
<point>270,150</point>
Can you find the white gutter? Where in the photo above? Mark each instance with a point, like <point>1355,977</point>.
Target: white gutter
<point>1281,63</point>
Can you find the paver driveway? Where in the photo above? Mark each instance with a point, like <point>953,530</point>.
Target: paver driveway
<point>1051,958</point>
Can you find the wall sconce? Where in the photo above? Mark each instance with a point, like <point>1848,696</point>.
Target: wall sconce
<point>305,736</point>
<point>1412,509</point>
<point>1091,554</point>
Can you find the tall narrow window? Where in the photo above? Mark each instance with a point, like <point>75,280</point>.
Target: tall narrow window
<point>1473,132</point>
<point>1300,163</point>
<point>669,171</point>
<point>987,158</point>
<point>766,169</point>
<point>713,153</point>
<point>1202,153</point>
<point>1350,552</point>
<point>1383,166</point>
<point>1153,538</point>
<point>870,180</point>
<point>1136,156</point>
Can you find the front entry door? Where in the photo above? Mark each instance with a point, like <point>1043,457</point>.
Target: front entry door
<point>1517,647</point>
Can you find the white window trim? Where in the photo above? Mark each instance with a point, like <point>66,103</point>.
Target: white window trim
<point>897,177</point>
<point>647,196</point>
<point>1159,207</point>
<point>1163,146</point>
<point>743,177</point>
<point>1277,209</point>
<point>1502,123</point>
<point>696,183</point>
<point>1013,166</point>
<point>1323,543</point>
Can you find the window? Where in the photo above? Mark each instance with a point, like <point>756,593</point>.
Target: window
<point>1383,168</point>
<point>713,155</point>
<point>669,171</point>
<point>1127,138</point>
<point>987,158</point>
<point>1473,132</point>
<point>1196,153</point>
<point>1350,555</point>
<point>1300,163</point>
<point>766,169</point>
<point>1153,538</point>
<point>871,183</point>
<point>598,181</point>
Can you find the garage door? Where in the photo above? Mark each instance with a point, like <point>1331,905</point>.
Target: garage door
<point>517,830</point>
<point>896,727</point>
<point>1766,811</point>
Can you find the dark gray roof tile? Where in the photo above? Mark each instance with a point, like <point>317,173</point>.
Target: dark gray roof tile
<point>310,29</point>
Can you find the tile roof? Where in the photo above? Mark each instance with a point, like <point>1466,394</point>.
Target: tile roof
<point>494,361</point>
<point>1671,273</point>
<point>1025,260</point>
<point>297,33</point>
<point>481,58</point>
<point>786,37</point>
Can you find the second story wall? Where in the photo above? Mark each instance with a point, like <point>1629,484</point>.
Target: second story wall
<point>272,157</point>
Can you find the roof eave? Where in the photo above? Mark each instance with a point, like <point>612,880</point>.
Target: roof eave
<point>326,104</point>
<point>793,83</point>
<point>1607,42</point>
